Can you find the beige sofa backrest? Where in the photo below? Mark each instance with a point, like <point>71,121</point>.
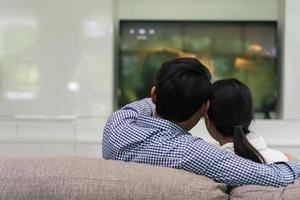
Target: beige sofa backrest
<point>250,192</point>
<point>83,178</point>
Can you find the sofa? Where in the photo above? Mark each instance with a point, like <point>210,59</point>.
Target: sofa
<point>63,178</point>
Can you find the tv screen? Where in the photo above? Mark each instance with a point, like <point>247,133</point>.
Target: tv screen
<point>230,49</point>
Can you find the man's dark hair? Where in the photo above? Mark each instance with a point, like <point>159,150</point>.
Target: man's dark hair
<point>182,86</point>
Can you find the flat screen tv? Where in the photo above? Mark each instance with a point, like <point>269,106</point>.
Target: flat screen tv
<point>244,50</point>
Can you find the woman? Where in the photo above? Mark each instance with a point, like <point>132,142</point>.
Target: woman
<point>228,120</point>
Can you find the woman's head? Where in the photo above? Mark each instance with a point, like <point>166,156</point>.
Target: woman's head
<point>230,115</point>
<point>230,106</point>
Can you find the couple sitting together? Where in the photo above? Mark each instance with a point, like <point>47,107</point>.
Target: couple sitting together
<point>155,130</point>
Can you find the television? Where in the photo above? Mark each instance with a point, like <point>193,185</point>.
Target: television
<point>246,50</point>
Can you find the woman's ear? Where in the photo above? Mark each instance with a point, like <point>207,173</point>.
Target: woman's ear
<point>207,122</point>
<point>153,95</point>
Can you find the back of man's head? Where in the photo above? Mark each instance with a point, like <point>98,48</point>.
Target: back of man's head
<point>182,86</point>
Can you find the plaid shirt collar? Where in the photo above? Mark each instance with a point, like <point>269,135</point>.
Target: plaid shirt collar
<point>161,124</point>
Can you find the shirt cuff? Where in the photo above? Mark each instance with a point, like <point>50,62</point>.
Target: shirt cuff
<point>295,167</point>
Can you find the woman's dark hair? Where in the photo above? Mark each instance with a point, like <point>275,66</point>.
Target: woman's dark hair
<point>231,112</point>
<point>182,86</point>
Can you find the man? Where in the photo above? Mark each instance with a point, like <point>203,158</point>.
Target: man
<point>156,132</point>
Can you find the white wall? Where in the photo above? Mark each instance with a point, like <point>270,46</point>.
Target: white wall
<point>56,76</point>
<point>197,9</point>
<point>74,43</point>
<point>291,60</point>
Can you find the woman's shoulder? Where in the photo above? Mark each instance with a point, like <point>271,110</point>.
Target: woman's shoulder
<point>269,154</point>
<point>272,155</point>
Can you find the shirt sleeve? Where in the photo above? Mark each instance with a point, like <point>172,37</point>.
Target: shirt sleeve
<point>206,159</point>
<point>129,113</point>
<point>141,107</point>
<point>121,119</point>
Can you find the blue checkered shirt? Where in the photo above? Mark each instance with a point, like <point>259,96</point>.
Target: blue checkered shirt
<point>133,134</point>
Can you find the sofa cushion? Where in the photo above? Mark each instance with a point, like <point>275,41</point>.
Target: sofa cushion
<point>87,178</point>
<point>292,192</point>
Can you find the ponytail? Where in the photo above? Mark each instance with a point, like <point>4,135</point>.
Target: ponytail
<point>242,146</point>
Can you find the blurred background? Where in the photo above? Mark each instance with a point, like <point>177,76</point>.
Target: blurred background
<point>66,65</point>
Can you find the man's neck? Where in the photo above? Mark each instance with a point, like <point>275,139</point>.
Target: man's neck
<point>182,125</point>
